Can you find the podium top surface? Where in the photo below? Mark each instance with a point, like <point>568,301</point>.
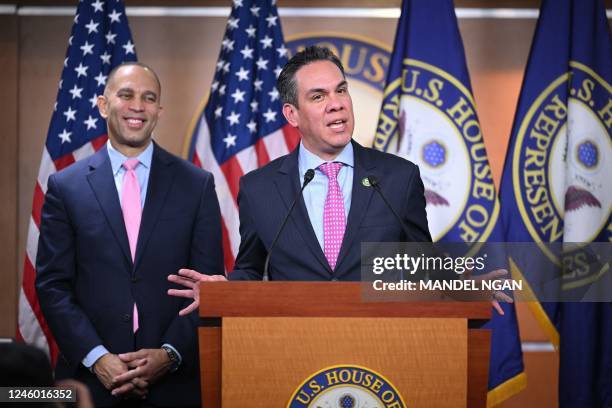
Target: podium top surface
<point>322,299</point>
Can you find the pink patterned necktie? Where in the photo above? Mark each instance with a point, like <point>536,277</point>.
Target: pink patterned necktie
<point>132,212</point>
<point>334,220</point>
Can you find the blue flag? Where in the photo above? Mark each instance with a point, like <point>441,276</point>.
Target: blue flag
<point>556,188</point>
<point>429,117</point>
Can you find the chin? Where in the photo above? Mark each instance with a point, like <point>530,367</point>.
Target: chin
<point>341,141</point>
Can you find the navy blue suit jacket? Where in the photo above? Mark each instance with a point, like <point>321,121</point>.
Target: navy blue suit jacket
<point>264,200</point>
<point>86,280</point>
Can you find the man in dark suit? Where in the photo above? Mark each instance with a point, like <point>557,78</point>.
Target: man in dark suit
<point>339,208</point>
<point>113,226</point>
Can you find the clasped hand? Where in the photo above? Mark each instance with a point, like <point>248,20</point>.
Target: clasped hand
<point>130,374</point>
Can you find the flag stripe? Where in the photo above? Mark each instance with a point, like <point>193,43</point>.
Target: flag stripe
<point>276,144</point>
<point>99,142</point>
<point>64,161</point>
<point>196,160</point>
<point>29,327</point>
<point>32,240</point>
<point>262,153</point>
<point>84,151</point>
<point>232,171</point>
<point>292,137</point>
<point>246,160</point>
<point>30,294</point>
<point>228,255</point>
<point>38,200</point>
<point>47,167</point>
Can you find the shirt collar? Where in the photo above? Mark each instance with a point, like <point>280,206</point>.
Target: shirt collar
<point>117,159</point>
<point>308,160</point>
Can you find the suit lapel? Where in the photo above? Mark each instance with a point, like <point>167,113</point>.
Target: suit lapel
<point>160,180</point>
<point>288,185</point>
<point>360,200</point>
<point>102,183</point>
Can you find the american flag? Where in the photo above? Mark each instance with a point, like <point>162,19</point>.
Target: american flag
<point>242,126</point>
<point>100,40</point>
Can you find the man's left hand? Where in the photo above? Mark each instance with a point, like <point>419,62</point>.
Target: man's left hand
<point>147,365</point>
<point>191,280</point>
<point>496,295</point>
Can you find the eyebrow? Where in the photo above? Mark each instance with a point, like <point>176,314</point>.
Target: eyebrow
<point>130,90</point>
<point>317,90</point>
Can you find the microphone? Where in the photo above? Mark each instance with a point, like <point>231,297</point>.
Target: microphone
<point>374,183</point>
<point>308,176</point>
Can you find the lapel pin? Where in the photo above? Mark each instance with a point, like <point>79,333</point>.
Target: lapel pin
<point>366,182</point>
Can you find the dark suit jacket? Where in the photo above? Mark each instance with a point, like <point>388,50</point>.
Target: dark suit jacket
<point>86,280</point>
<point>266,194</point>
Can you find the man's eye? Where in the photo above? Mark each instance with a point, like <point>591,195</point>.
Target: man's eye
<point>317,97</point>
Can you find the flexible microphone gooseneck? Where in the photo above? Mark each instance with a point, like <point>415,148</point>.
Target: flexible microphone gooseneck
<point>308,176</point>
<point>374,183</point>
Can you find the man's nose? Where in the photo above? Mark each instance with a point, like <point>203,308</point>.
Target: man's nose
<point>136,105</point>
<point>334,103</point>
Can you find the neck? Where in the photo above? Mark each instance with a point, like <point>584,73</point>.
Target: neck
<point>129,151</point>
<point>327,156</point>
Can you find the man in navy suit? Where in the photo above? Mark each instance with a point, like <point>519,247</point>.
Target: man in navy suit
<point>317,102</point>
<point>113,226</point>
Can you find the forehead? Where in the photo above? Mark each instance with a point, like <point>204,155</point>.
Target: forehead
<point>134,77</point>
<point>318,75</point>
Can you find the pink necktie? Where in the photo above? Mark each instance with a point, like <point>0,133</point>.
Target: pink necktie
<point>334,221</point>
<point>132,212</point>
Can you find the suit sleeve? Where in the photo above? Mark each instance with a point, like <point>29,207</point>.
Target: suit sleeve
<point>206,256</point>
<point>252,253</point>
<point>414,214</point>
<point>55,279</point>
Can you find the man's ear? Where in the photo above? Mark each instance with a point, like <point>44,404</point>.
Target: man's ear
<point>102,103</point>
<point>292,114</point>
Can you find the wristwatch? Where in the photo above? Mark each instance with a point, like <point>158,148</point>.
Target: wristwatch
<point>174,358</point>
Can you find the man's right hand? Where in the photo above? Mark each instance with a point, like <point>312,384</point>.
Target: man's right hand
<point>110,366</point>
<point>191,280</point>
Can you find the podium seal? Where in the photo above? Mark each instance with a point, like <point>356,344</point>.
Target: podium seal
<point>346,386</point>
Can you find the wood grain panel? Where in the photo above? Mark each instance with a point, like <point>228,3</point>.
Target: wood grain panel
<point>266,359</point>
<point>210,365</point>
<point>308,299</point>
<point>478,362</point>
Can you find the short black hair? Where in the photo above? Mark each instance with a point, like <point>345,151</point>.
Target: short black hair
<point>128,64</point>
<point>287,88</point>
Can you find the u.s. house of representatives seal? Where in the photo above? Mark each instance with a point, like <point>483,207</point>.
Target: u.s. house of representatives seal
<point>429,117</point>
<point>346,386</point>
<point>563,160</point>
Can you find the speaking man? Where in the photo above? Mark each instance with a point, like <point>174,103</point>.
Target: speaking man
<point>339,208</point>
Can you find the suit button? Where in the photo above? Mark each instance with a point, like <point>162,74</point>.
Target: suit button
<point>126,317</point>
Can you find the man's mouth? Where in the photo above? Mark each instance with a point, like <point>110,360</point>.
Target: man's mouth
<point>135,123</point>
<point>339,124</point>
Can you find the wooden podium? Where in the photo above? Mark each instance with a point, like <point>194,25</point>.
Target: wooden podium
<point>259,341</point>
